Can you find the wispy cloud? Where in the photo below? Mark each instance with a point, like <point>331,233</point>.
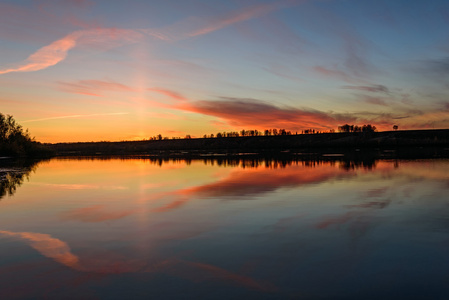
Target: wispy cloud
<point>237,16</point>
<point>67,186</point>
<point>76,116</point>
<point>114,263</point>
<point>374,100</point>
<point>45,57</point>
<point>47,246</point>
<point>56,52</point>
<point>284,72</point>
<point>335,73</point>
<point>95,214</point>
<point>93,87</point>
<point>169,93</point>
<point>375,88</point>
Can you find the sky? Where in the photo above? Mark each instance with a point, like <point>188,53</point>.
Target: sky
<point>93,70</point>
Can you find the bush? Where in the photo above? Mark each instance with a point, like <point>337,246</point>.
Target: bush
<point>14,141</point>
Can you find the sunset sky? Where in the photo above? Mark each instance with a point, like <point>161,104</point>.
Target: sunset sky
<point>81,70</point>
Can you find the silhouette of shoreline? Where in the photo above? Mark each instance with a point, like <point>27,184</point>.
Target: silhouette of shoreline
<point>387,144</point>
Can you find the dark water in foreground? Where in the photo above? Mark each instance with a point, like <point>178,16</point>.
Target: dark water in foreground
<point>136,229</point>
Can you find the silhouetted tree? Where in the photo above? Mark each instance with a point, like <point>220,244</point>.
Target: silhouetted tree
<point>355,128</point>
<point>15,141</point>
<point>368,128</point>
<point>395,127</point>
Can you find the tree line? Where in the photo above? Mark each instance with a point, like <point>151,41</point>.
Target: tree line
<point>272,132</point>
<point>14,141</point>
<point>356,128</point>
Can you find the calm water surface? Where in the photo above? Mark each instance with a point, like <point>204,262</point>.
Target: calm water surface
<point>139,229</point>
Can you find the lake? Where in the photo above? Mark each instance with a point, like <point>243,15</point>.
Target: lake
<point>224,229</point>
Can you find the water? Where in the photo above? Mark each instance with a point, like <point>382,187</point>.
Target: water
<point>217,229</point>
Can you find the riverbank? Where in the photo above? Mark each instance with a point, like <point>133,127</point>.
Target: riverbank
<point>428,143</point>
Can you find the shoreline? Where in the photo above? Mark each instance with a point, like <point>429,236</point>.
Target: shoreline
<point>427,143</point>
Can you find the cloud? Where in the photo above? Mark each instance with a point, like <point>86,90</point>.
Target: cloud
<point>244,182</point>
<point>93,87</point>
<point>56,52</point>
<point>335,73</point>
<point>108,262</point>
<point>439,67</point>
<point>200,272</point>
<point>376,88</point>
<point>48,246</point>
<point>436,69</point>
<point>374,100</point>
<point>242,112</point>
<point>247,183</point>
<point>171,94</point>
<point>45,57</point>
<point>235,17</point>
<point>95,214</point>
<point>76,117</point>
<point>375,193</point>
<point>81,186</point>
<point>446,106</point>
<point>284,72</point>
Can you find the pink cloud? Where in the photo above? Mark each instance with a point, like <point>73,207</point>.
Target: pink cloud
<point>235,17</point>
<point>113,263</point>
<point>45,57</point>
<point>169,93</point>
<point>47,246</point>
<point>252,182</point>
<point>56,52</point>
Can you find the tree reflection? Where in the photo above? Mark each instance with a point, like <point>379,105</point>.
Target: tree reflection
<point>249,161</point>
<point>13,174</point>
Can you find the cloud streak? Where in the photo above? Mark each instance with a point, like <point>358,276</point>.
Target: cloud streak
<point>95,214</point>
<point>60,252</point>
<point>376,88</point>
<point>168,93</point>
<point>57,51</point>
<point>76,116</point>
<point>236,17</point>
<point>47,246</point>
<point>334,73</point>
<point>93,87</point>
<point>46,56</point>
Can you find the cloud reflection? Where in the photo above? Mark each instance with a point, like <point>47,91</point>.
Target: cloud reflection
<point>95,213</point>
<point>47,246</point>
<point>112,263</point>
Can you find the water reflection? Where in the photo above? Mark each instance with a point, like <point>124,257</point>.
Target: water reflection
<point>242,228</point>
<point>12,175</point>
